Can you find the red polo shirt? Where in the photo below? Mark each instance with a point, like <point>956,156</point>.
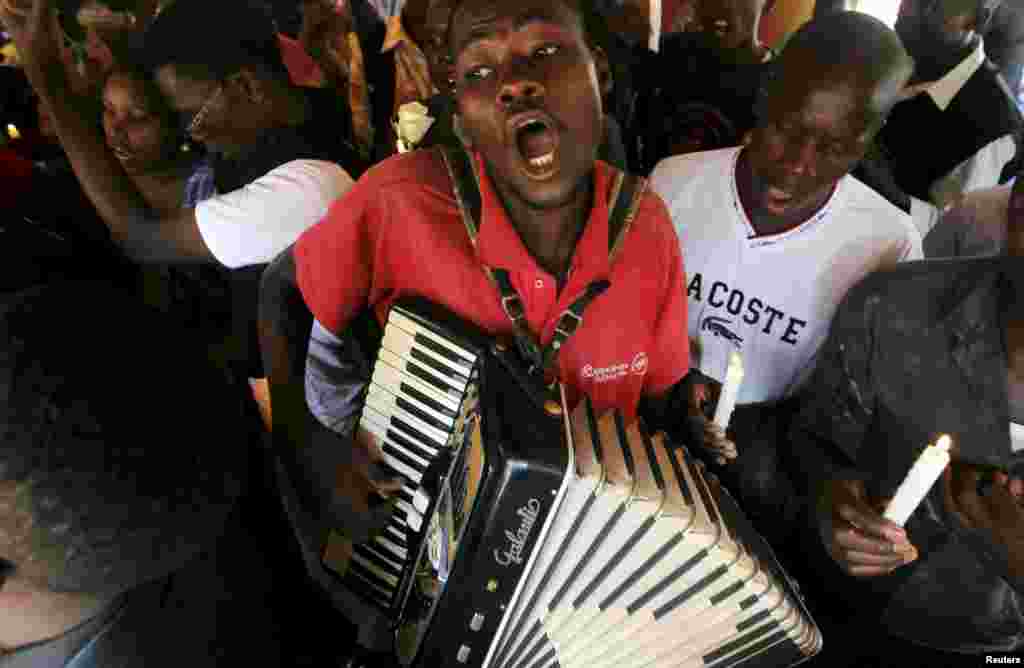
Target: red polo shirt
<point>398,232</point>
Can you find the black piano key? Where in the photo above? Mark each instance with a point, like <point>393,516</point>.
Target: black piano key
<point>433,404</point>
<point>367,552</point>
<point>424,416</point>
<point>398,536</point>
<point>411,446</point>
<point>385,553</point>
<point>359,571</point>
<point>404,495</point>
<point>404,458</point>
<point>356,580</point>
<point>413,432</point>
<point>438,367</point>
<point>423,374</point>
<point>382,470</point>
<point>441,350</point>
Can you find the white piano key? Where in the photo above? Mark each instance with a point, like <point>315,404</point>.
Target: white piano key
<point>391,378</point>
<point>446,421</point>
<point>450,386</point>
<point>421,500</point>
<point>372,567</point>
<point>385,405</point>
<point>396,561</point>
<point>402,343</point>
<point>384,541</point>
<point>409,325</point>
<point>378,425</point>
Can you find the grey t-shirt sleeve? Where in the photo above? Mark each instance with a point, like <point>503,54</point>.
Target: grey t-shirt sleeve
<point>337,371</point>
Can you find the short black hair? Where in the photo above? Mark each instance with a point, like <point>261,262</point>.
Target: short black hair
<point>213,39</point>
<point>125,446</point>
<point>845,44</point>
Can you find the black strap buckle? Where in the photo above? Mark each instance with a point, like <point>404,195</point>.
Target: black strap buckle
<point>563,327</point>
<point>513,307</point>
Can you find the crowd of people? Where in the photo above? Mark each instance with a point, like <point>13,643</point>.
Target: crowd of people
<point>210,210</point>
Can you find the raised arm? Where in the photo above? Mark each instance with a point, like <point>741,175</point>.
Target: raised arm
<point>143,235</point>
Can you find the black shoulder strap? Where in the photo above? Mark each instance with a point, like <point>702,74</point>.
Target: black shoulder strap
<point>627,191</point>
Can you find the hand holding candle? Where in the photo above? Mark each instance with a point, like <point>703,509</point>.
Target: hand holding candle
<point>730,391</point>
<point>923,474</point>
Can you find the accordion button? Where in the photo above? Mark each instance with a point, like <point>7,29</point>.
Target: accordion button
<point>553,407</point>
<point>463,655</point>
<point>477,622</point>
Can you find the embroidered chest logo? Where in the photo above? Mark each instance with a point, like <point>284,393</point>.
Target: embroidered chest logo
<point>606,374</point>
<point>759,318</point>
<point>717,326</point>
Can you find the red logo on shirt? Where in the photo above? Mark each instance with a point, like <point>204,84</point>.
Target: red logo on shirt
<point>637,367</point>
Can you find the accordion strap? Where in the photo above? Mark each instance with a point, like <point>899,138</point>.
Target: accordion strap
<point>625,197</point>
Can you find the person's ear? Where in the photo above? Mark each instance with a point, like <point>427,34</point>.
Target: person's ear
<point>252,86</point>
<point>605,78</point>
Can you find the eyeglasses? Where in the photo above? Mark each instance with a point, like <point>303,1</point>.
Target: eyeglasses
<point>197,121</point>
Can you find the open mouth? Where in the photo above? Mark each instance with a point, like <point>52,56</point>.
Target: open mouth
<point>776,198</point>
<point>537,142</point>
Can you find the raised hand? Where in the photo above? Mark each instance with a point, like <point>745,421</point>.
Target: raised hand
<point>36,32</point>
<point>855,534</point>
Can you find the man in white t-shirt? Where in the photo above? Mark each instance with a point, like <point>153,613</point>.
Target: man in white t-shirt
<point>776,232</point>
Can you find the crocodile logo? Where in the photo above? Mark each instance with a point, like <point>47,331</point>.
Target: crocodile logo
<point>717,326</point>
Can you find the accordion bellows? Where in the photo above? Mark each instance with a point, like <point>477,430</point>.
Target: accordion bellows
<point>536,538</point>
<point>649,563</point>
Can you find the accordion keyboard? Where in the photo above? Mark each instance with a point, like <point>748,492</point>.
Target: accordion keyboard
<point>423,381</point>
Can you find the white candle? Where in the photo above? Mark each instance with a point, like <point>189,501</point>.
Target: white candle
<point>923,474</point>
<point>730,390</point>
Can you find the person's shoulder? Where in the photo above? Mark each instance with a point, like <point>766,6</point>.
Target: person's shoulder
<point>987,91</point>
<point>865,204</point>
<point>921,290</point>
<point>651,221</point>
<point>319,176</point>
<point>678,172</point>
<point>420,169</point>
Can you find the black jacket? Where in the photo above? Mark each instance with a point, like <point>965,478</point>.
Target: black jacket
<point>914,352</point>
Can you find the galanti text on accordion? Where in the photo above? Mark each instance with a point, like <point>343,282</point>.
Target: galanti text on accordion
<point>517,541</point>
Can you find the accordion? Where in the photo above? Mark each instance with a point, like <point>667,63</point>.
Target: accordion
<point>528,536</point>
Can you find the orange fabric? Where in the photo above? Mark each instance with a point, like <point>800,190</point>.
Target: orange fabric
<point>412,72</point>
<point>784,19</point>
<point>303,70</point>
